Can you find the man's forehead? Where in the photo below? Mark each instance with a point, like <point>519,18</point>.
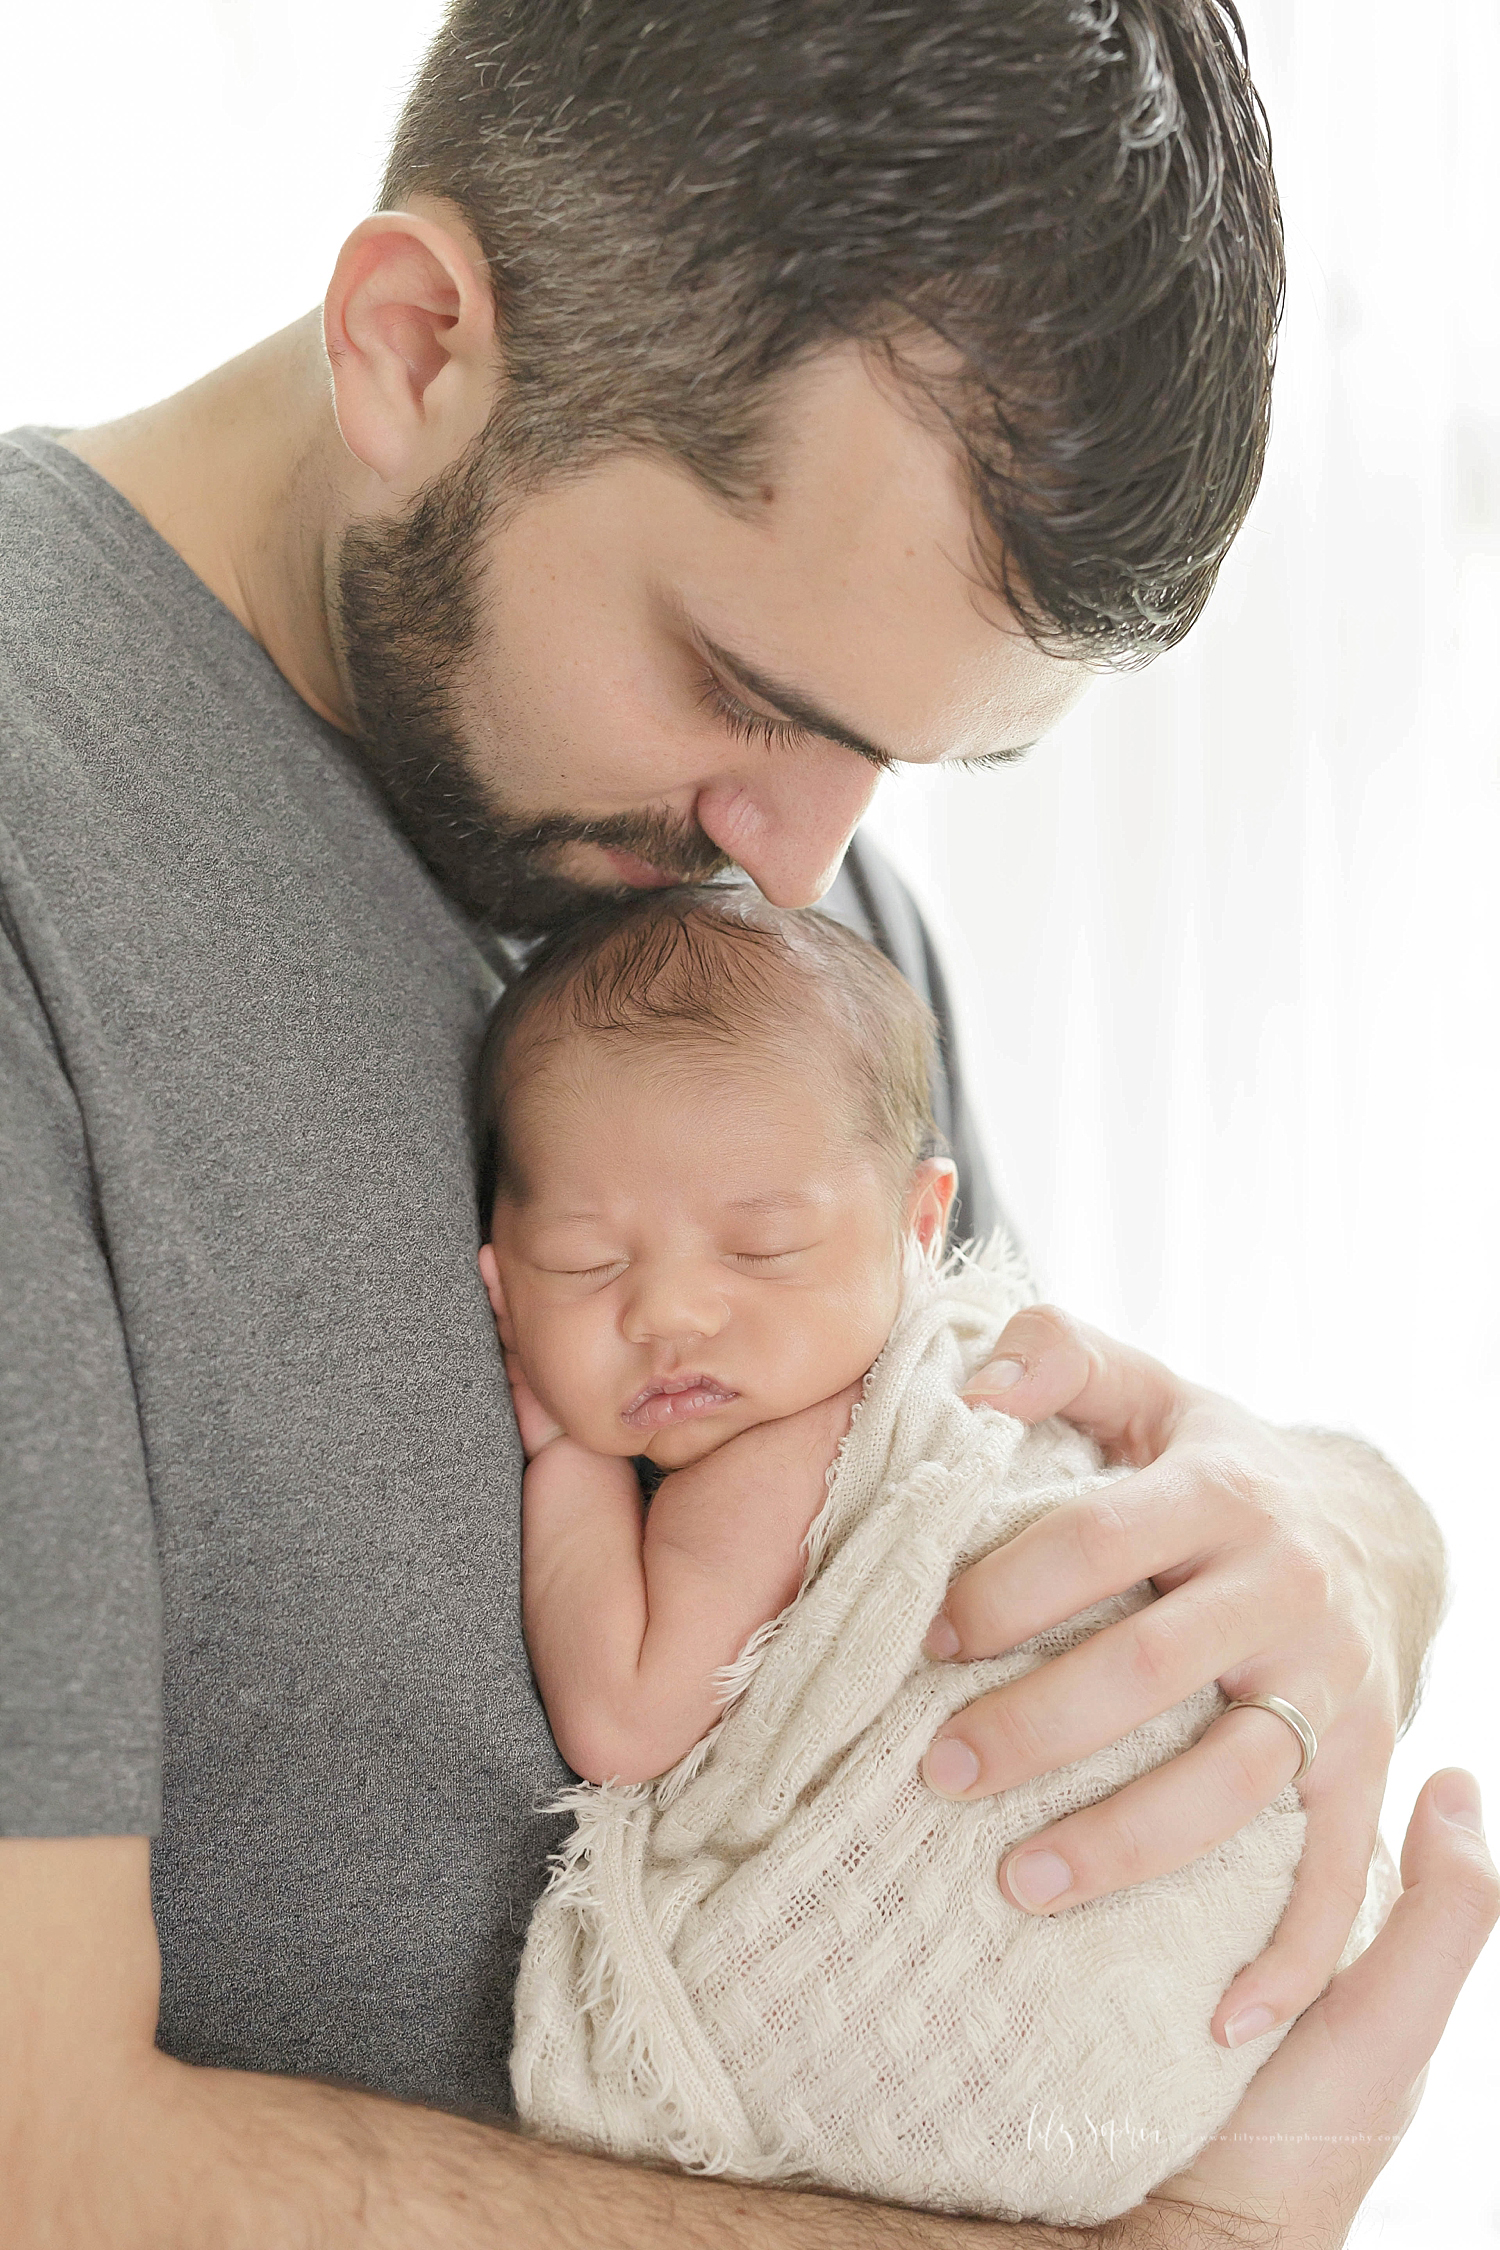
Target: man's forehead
<point>858,582</point>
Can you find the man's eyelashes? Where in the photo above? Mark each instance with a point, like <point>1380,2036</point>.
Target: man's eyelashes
<point>777,733</point>
<point>771,733</point>
<point>745,724</point>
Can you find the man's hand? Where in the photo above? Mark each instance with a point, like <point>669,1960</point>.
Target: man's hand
<point>1289,1563</point>
<point>1323,2116</point>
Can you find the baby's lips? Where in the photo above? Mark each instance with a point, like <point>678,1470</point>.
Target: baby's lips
<point>676,1400</point>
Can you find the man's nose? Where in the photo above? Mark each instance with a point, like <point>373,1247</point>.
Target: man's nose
<point>674,1302</point>
<point>789,827</point>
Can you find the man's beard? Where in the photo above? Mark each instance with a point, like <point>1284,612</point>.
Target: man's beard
<point>406,617</point>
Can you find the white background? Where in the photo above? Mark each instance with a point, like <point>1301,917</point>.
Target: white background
<point>1229,944</point>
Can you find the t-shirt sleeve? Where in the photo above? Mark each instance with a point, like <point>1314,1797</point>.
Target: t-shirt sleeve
<point>80,1607</point>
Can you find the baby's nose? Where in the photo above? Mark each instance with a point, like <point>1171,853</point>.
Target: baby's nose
<point>675,1303</point>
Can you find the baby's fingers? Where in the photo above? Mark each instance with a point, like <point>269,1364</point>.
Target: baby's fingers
<point>536,1425</point>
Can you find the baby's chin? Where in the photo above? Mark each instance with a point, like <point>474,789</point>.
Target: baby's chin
<point>680,1445</point>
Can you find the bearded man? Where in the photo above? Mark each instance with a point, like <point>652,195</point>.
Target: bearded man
<point>727,403</point>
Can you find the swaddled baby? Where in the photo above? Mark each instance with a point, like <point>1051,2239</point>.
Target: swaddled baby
<point>715,1210</point>
<point>709,1135</point>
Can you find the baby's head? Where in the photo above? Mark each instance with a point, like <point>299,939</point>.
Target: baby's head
<point>708,1141</point>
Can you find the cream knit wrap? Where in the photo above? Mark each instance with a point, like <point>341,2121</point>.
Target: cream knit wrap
<point>787,1960</point>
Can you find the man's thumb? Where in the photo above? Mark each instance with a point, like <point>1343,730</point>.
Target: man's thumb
<point>1045,1362</point>
<point>1401,1990</point>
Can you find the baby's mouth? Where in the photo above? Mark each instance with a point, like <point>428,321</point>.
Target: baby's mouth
<point>674,1399</point>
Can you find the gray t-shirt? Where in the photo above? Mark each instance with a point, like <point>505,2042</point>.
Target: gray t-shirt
<point>259,1523</point>
<point>259,1475</point>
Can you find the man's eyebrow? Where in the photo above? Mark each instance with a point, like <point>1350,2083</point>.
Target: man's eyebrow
<point>791,703</point>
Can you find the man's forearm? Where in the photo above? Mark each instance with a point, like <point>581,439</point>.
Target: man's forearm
<point>1402,1549</point>
<point>245,2162</point>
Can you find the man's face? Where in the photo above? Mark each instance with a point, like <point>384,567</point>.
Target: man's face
<point>624,680</point>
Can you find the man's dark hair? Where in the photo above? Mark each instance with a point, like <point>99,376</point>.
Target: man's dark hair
<point>715,968</point>
<point>678,199</point>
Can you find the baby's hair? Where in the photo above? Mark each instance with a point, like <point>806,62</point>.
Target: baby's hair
<point>701,966</point>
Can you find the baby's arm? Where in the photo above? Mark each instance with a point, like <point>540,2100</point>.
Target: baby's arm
<point>630,1612</point>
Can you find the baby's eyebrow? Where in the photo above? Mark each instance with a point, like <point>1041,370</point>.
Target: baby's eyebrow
<point>775,1199</point>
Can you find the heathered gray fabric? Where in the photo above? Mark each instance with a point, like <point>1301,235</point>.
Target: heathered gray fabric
<point>259,1476</point>
<point>871,898</point>
<point>260,1513</point>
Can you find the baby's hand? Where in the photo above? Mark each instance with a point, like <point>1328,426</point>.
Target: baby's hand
<point>773,1477</point>
<point>800,1450</point>
<point>535,1424</point>
<point>631,1615</point>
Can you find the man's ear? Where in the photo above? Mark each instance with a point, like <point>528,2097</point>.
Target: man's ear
<point>489,1274</point>
<point>930,1199</point>
<point>409,328</point>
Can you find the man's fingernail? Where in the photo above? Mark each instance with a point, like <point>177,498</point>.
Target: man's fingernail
<point>1035,1879</point>
<point>941,1639</point>
<point>950,1766</point>
<point>1000,1375</point>
<point>1456,1796</point>
<point>1248,2024</point>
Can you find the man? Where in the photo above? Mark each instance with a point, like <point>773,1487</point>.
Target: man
<point>725,404</point>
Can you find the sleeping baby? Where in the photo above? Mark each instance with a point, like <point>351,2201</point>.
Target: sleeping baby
<point>716,1219</point>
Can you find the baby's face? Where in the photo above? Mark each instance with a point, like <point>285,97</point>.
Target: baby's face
<point>702,1245</point>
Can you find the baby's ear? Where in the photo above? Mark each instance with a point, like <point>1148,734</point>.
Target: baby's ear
<point>930,1200</point>
<point>489,1274</point>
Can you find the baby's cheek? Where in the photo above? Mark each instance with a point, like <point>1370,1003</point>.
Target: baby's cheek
<point>576,1380</point>
<point>820,1349</point>
<point>852,1331</point>
<point>551,1355</point>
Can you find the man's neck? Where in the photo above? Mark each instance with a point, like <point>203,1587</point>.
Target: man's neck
<point>242,473</point>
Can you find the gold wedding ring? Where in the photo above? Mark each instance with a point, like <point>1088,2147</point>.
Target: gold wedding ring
<point>1294,1719</point>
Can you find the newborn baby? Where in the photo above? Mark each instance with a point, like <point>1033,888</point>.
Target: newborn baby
<point>715,1213</point>
<point>709,1135</point>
